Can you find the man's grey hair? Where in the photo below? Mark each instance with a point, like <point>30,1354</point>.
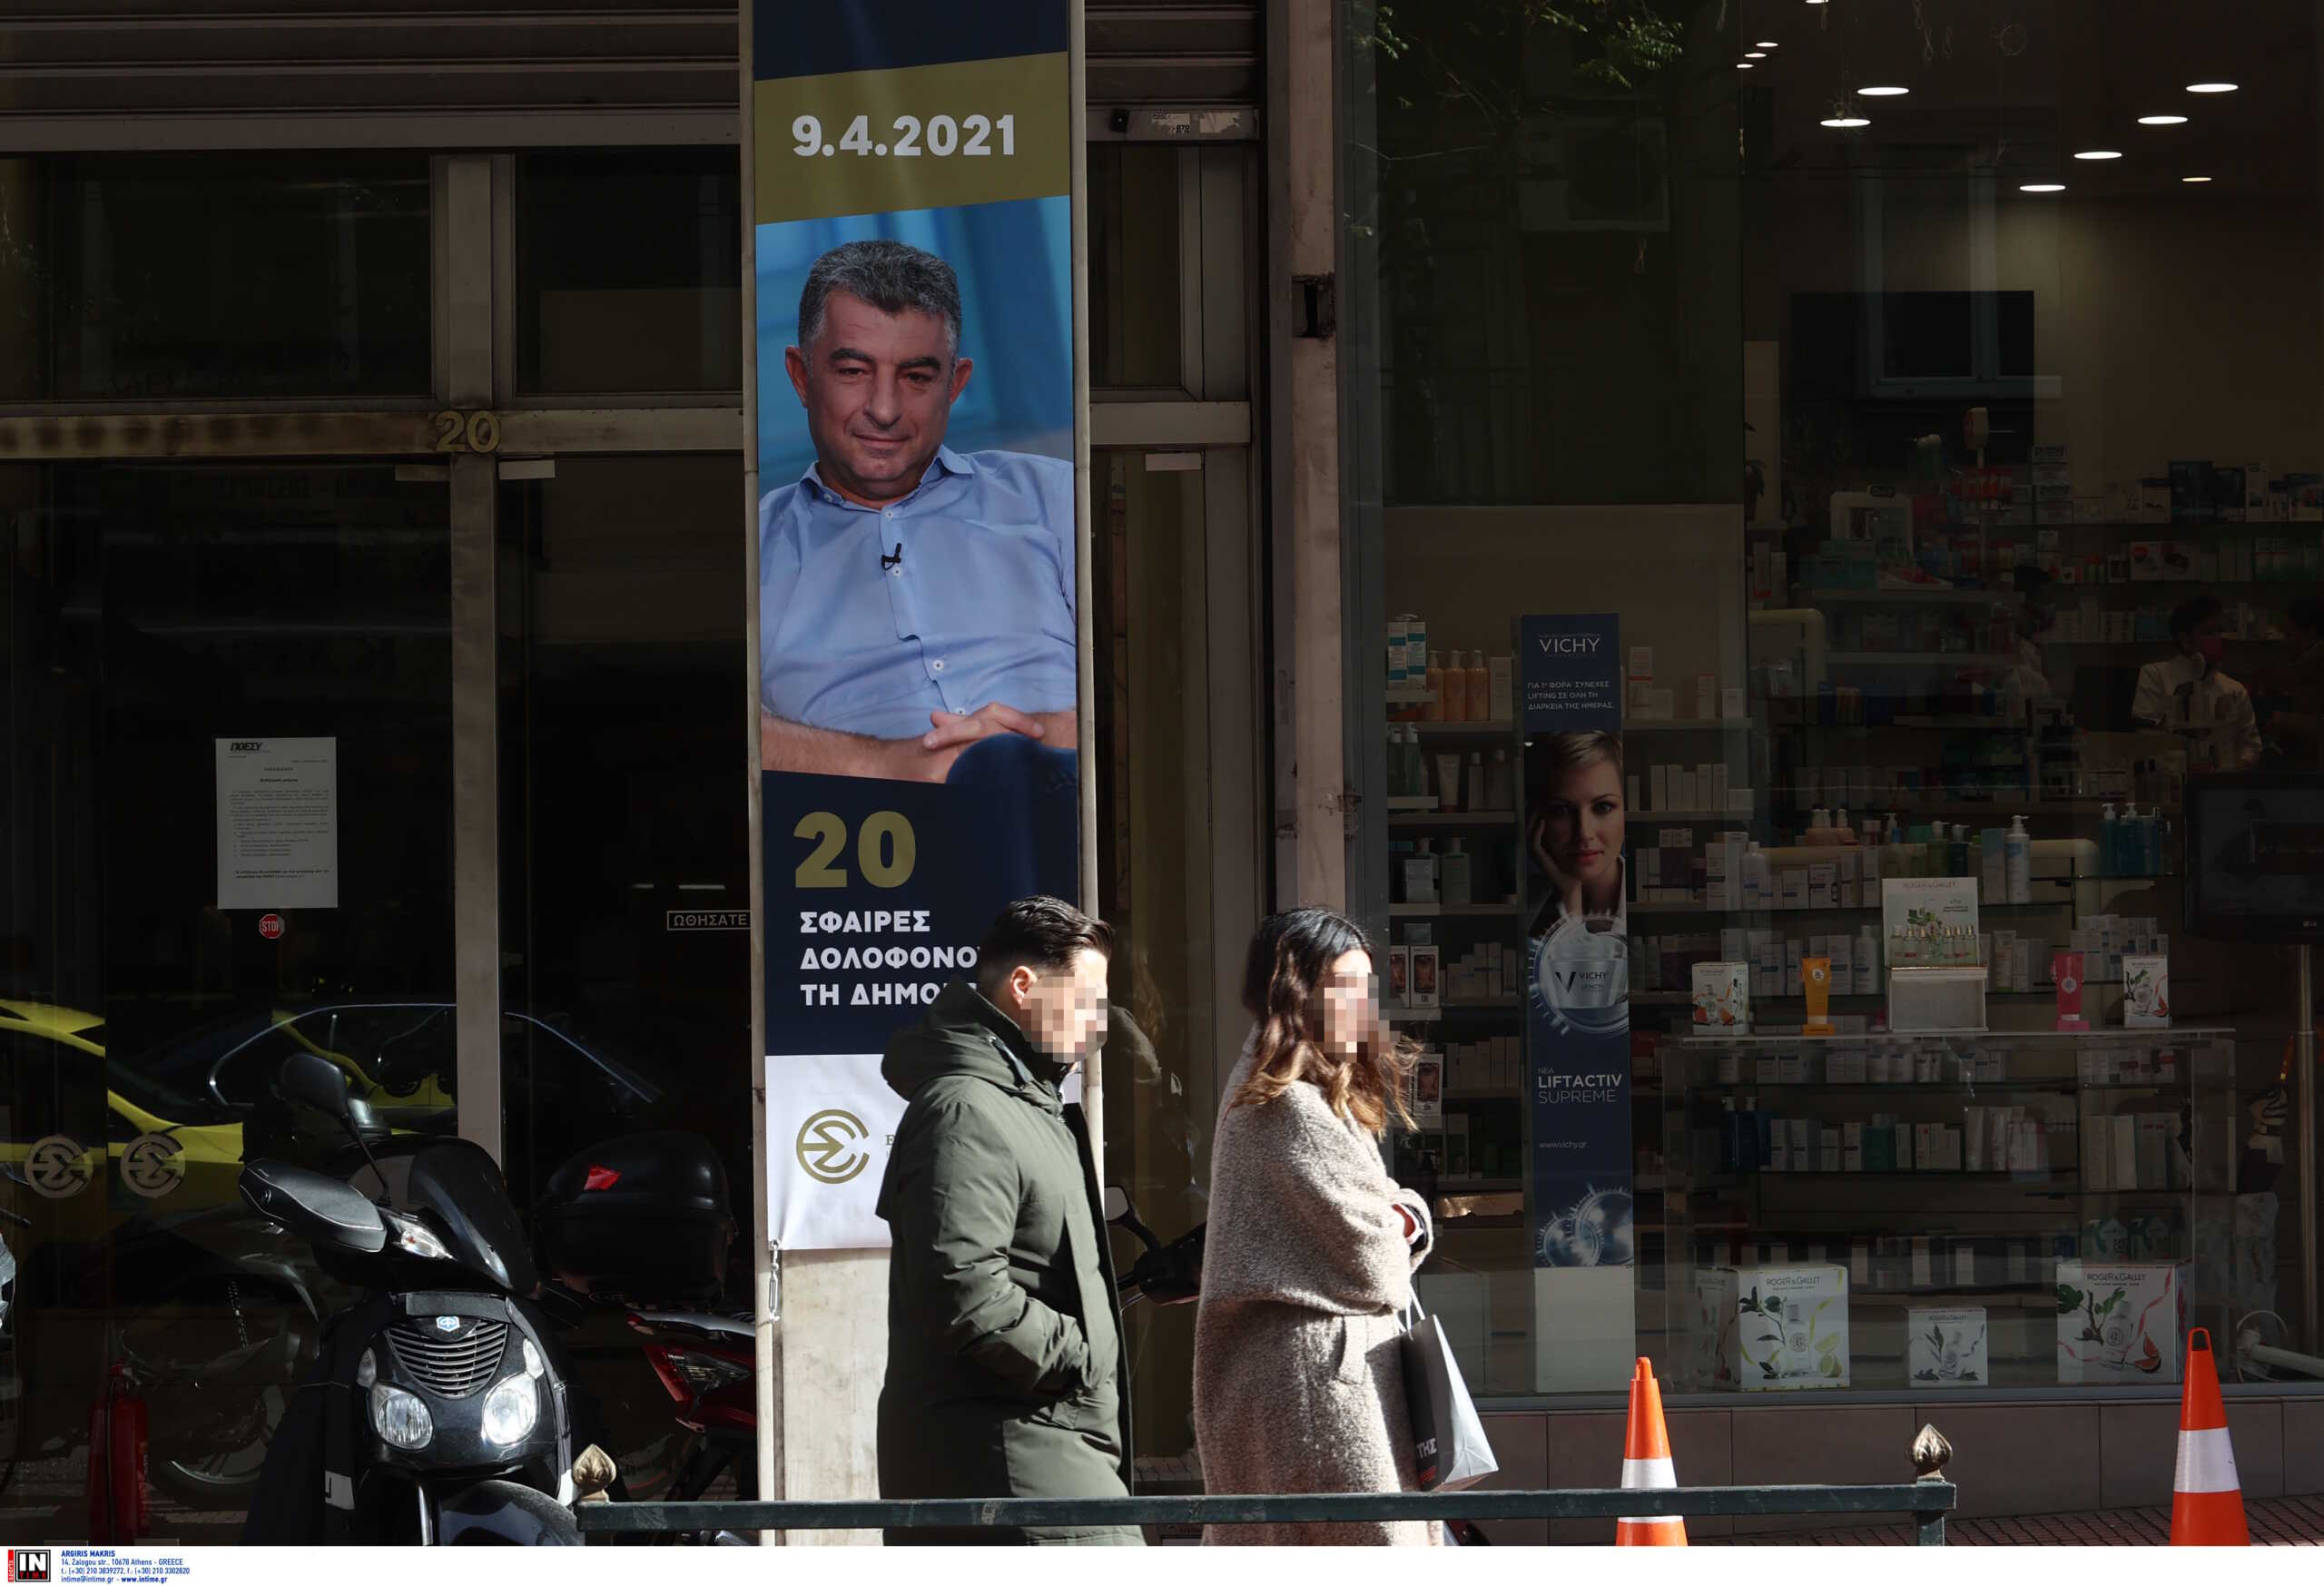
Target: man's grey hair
<point>894,278</point>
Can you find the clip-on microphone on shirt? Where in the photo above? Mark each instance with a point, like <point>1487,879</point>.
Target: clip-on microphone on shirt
<point>889,563</point>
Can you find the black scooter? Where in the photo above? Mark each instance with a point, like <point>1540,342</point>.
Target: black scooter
<point>435,1416</point>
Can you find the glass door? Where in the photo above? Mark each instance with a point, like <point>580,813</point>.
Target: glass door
<point>228,796</point>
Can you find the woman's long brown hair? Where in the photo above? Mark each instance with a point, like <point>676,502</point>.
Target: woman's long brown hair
<point>1283,988</point>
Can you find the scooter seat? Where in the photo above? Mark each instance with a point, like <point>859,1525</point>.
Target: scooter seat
<point>697,1325</point>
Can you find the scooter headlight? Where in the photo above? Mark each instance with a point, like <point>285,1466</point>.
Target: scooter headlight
<point>414,1237</point>
<point>400,1418</point>
<point>510,1410</point>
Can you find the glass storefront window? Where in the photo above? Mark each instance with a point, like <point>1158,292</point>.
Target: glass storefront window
<point>1946,460</point>
<point>157,616</point>
<point>159,278</point>
<point>628,272</point>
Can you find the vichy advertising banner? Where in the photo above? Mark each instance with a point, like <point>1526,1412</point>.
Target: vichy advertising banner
<point>1577,1000</point>
<point>911,222</point>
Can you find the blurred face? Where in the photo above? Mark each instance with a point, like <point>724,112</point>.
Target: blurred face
<point>1062,1012</point>
<point>1350,998</point>
<point>2205,639</point>
<point>1585,823</point>
<point>878,388</point>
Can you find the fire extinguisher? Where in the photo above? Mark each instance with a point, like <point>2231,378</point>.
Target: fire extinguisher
<point>117,1439</point>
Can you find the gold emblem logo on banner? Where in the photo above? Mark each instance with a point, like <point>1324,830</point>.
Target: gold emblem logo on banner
<point>828,1147</point>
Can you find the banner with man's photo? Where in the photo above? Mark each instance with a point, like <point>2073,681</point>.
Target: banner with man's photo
<point>912,218</point>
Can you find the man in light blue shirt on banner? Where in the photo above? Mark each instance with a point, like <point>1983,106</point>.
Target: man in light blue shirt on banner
<point>914,603</point>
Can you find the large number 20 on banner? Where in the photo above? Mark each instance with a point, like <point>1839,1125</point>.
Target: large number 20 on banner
<point>1578,1002</point>
<point>911,221</point>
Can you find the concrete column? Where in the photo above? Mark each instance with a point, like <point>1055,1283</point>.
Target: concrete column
<point>1303,157</point>
<point>833,1348</point>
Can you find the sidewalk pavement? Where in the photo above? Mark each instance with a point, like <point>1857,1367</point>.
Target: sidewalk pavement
<point>2297,1523</point>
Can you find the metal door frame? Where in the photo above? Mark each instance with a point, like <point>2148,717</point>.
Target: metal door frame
<point>1211,413</point>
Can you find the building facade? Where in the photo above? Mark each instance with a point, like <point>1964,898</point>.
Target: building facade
<point>1897,381</point>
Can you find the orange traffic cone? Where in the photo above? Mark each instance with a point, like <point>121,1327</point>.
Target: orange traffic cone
<point>1646,1465</point>
<point>2206,1499</point>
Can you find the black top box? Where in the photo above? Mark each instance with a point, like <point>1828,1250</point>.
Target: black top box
<point>644,1218</point>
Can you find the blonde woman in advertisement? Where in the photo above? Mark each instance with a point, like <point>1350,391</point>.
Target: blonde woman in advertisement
<point>1299,1381</point>
<point>1579,948</point>
<point>1579,828</point>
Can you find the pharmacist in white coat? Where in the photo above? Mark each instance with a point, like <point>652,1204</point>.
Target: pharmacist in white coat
<point>2189,692</point>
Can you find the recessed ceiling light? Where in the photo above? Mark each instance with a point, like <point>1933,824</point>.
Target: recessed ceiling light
<point>1847,120</point>
<point>2163,121</point>
<point>2100,154</point>
<point>1754,54</point>
<point>2211,87</point>
<point>1766,44</point>
<point>1889,93</point>
<point>2041,187</point>
<point>2195,179</point>
<point>1742,65</point>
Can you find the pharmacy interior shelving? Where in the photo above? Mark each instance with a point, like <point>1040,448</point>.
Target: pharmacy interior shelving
<point>1490,1238</point>
<point>1939,1236</point>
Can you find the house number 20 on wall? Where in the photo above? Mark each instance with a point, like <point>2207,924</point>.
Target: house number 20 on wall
<point>456,432</point>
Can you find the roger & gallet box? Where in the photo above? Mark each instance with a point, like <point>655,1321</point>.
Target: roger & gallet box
<point>1790,1327</point>
<point>1944,1347</point>
<point>2119,1322</point>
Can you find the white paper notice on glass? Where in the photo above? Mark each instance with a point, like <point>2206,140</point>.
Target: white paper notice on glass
<point>278,823</point>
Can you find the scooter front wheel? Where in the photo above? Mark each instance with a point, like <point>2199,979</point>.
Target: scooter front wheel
<point>504,1514</point>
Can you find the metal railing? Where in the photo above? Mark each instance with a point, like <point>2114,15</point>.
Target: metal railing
<point>1928,1501</point>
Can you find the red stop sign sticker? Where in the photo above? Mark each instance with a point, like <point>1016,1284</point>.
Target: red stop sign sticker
<point>270,926</point>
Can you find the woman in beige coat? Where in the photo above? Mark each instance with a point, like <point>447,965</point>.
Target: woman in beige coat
<point>1299,1382</point>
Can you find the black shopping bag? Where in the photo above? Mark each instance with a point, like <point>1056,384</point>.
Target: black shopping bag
<point>1448,1448</point>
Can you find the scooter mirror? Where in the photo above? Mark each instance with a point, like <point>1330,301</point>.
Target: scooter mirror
<point>315,1081</point>
<point>1118,1206</point>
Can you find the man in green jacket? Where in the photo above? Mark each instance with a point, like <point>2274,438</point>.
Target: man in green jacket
<point>1006,1374</point>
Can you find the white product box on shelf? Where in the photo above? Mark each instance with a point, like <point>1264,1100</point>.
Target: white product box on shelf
<point>1424,982</point>
<point>1722,996</point>
<point>1945,1348</point>
<point>1710,1324</point>
<point>2119,1322</point>
<point>1790,1327</point>
<point>2146,990</point>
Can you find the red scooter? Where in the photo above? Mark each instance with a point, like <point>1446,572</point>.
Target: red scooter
<point>709,1366</point>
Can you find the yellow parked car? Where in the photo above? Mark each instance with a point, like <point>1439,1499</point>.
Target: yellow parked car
<point>199,1091</point>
